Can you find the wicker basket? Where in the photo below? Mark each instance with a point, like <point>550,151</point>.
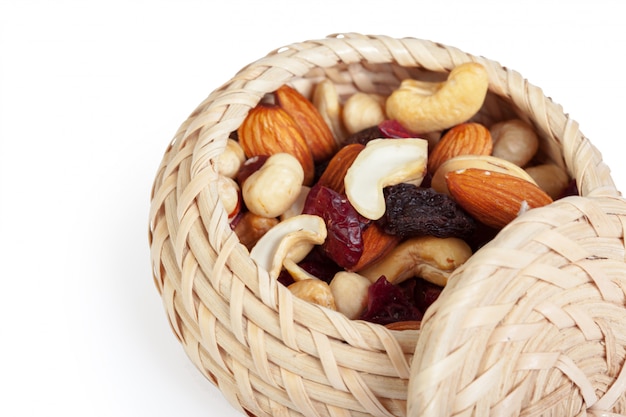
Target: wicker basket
<point>533,324</point>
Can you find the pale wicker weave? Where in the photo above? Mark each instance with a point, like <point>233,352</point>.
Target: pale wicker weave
<point>534,324</point>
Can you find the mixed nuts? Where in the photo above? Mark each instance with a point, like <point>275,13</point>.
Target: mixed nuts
<point>353,205</point>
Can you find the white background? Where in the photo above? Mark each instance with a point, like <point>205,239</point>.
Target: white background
<point>92,92</point>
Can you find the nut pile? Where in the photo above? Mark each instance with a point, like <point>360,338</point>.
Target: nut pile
<point>367,204</point>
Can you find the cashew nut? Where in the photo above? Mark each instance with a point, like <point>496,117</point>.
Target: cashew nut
<point>315,291</point>
<point>424,106</point>
<point>515,141</point>
<point>428,257</point>
<point>486,162</point>
<point>229,162</point>
<point>551,178</point>
<point>351,293</point>
<point>292,239</point>
<point>296,271</point>
<point>362,110</point>
<point>381,163</point>
<point>274,187</point>
<point>326,100</point>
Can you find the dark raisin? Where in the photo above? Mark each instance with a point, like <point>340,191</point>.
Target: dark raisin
<point>415,211</point>
<point>320,167</point>
<point>365,135</point>
<point>482,235</point>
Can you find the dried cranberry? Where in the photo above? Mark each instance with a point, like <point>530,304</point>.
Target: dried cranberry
<point>425,293</point>
<point>315,263</point>
<point>416,211</point>
<point>388,303</point>
<point>285,278</point>
<point>390,129</point>
<point>250,166</point>
<point>319,265</point>
<point>344,242</point>
<point>393,129</point>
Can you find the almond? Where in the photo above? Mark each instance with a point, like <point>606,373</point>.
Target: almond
<point>463,139</point>
<point>268,129</point>
<point>486,162</point>
<point>314,128</point>
<point>494,198</point>
<point>335,172</point>
<point>404,325</point>
<point>376,244</point>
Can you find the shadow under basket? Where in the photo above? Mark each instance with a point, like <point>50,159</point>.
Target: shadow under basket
<point>533,324</point>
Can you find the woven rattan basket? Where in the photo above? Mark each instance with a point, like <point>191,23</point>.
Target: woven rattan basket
<point>533,324</point>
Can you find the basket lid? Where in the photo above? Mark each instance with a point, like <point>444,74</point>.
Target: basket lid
<point>534,323</point>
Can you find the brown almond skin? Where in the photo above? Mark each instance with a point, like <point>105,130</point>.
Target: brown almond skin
<point>268,129</point>
<point>493,198</point>
<point>376,244</point>
<point>463,139</point>
<point>404,325</point>
<point>316,132</point>
<point>335,172</point>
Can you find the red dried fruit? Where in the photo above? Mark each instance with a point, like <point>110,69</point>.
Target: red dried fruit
<point>319,265</point>
<point>388,303</point>
<point>285,278</point>
<point>424,293</point>
<point>390,129</point>
<point>394,130</point>
<point>250,166</point>
<point>344,243</point>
